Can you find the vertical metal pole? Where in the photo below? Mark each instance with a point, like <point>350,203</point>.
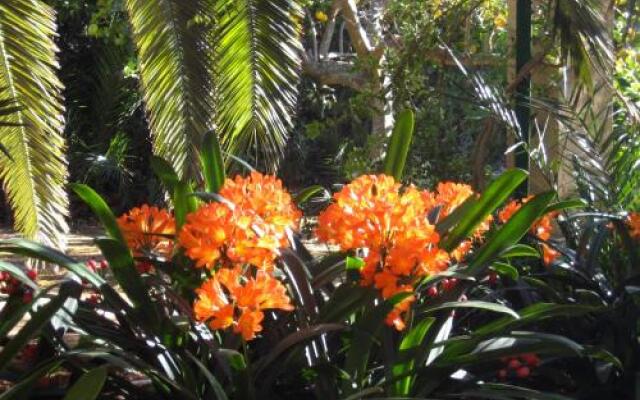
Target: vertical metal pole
<point>523,91</point>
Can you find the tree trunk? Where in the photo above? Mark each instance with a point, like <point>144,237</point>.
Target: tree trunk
<point>382,115</point>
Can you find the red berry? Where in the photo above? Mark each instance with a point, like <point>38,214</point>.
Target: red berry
<point>432,291</point>
<point>29,351</point>
<point>10,289</point>
<point>514,363</point>
<point>445,284</point>
<point>452,283</point>
<point>4,276</point>
<point>144,267</point>
<point>104,264</point>
<point>27,297</point>
<point>493,278</point>
<point>91,264</point>
<point>531,359</point>
<point>32,274</point>
<point>502,374</point>
<point>523,372</point>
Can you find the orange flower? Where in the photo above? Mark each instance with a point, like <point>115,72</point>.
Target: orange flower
<point>230,293</point>
<point>633,221</point>
<point>373,214</point>
<point>549,254</point>
<point>148,230</point>
<point>206,233</point>
<point>449,196</point>
<point>542,228</point>
<point>249,324</point>
<point>248,229</point>
<point>263,198</point>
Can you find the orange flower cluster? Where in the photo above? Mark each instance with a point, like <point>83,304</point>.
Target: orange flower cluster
<point>239,240</point>
<point>249,229</point>
<point>148,230</point>
<point>391,226</point>
<point>633,222</point>
<point>448,197</point>
<point>542,228</point>
<point>232,300</point>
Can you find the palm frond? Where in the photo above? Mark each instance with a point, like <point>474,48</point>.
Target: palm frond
<point>170,36</point>
<point>35,179</point>
<point>584,36</point>
<point>603,161</point>
<point>256,71</point>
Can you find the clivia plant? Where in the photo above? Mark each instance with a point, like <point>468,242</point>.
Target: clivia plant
<point>218,297</point>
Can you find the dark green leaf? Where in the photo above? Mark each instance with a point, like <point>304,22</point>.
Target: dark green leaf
<point>89,386</point>
<point>511,232</point>
<point>49,255</point>
<point>164,171</point>
<point>483,305</point>
<point>520,250</point>
<point>364,333</point>
<point>100,209</point>
<point>18,273</point>
<point>212,163</point>
<point>32,328</point>
<point>410,341</point>
<point>308,193</point>
<point>399,145</point>
<point>505,270</point>
<point>123,267</point>
<point>495,194</point>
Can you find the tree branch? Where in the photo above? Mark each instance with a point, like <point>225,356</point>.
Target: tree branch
<point>332,73</point>
<point>327,36</point>
<point>357,33</point>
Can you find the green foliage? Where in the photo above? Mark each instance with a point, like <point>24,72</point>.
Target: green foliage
<point>175,76</point>
<point>35,174</point>
<point>399,145</point>
<point>337,337</point>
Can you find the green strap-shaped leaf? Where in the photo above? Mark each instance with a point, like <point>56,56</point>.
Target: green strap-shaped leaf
<point>180,190</point>
<point>212,163</point>
<point>307,194</point>
<point>536,313</point>
<point>36,250</point>
<point>520,250</point>
<point>566,204</point>
<point>100,209</point>
<point>496,193</point>
<point>505,269</point>
<point>32,328</point>
<point>164,171</point>
<point>399,145</point>
<point>22,389</point>
<point>18,273</point>
<point>183,202</point>
<point>364,333</point>
<point>483,305</point>
<point>511,232</point>
<point>123,267</point>
<point>412,340</point>
<point>89,386</point>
